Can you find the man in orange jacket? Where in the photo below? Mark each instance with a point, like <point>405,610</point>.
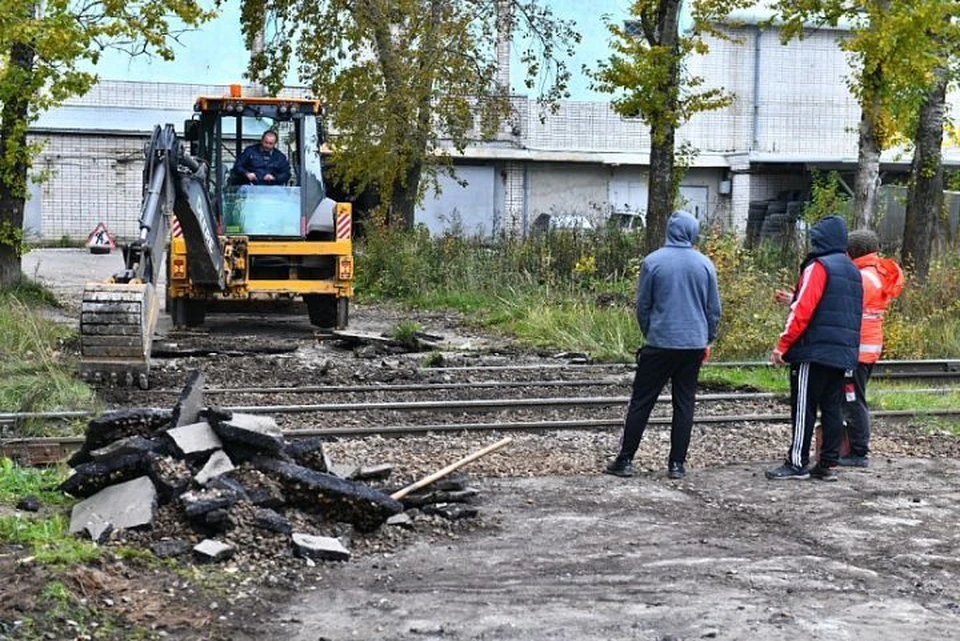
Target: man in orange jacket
<point>882,282</point>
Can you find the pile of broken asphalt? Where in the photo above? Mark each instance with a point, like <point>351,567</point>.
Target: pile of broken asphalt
<point>207,485</point>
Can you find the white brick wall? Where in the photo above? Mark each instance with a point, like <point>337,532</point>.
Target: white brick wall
<point>90,180</point>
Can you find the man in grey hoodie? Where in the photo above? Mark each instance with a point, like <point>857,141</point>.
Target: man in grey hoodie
<point>678,308</point>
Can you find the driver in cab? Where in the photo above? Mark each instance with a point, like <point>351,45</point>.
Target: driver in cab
<point>262,163</point>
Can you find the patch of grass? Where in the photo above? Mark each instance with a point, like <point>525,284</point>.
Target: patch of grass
<point>904,398</point>
<point>17,482</point>
<point>607,334</point>
<point>36,374</point>
<point>760,379</point>
<point>406,332</point>
<point>433,359</point>
<point>49,538</point>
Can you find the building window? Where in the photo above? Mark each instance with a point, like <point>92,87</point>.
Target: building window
<point>633,28</point>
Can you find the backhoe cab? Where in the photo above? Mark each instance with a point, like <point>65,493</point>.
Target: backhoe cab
<point>276,240</point>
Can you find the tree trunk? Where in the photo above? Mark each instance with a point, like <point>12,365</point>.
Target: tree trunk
<point>404,199</point>
<point>663,128</point>
<point>13,187</point>
<point>925,195</point>
<point>868,168</point>
<point>660,198</point>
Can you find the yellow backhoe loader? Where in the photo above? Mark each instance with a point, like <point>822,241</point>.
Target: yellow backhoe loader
<point>224,238</point>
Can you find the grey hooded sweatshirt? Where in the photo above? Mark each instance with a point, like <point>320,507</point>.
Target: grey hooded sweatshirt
<point>678,303</point>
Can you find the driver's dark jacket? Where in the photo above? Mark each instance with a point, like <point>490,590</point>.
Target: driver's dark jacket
<point>255,159</point>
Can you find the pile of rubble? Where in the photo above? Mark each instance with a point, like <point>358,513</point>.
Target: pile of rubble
<point>203,480</point>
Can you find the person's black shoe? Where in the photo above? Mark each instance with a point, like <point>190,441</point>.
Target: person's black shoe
<point>620,466</point>
<point>823,473</point>
<point>854,461</point>
<point>787,472</point>
<point>675,470</point>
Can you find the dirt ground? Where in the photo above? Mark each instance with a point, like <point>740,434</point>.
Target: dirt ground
<point>723,554</point>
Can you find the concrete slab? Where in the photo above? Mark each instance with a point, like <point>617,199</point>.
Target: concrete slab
<point>325,548</point>
<point>118,507</point>
<point>195,438</point>
<point>218,464</point>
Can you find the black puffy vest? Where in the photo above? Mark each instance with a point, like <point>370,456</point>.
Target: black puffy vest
<point>833,336</point>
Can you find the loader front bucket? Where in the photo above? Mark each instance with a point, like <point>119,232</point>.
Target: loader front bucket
<point>117,322</point>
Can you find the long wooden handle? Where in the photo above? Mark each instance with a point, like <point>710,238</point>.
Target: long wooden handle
<point>439,474</point>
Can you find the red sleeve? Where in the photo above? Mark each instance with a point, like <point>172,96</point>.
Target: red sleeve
<point>813,280</point>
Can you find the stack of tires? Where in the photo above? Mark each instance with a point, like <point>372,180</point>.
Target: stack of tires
<point>755,214</point>
<point>775,223</point>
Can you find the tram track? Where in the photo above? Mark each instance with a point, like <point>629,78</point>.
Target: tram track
<point>437,400</point>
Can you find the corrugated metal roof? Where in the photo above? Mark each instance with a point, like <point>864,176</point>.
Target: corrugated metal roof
<point>109,120</point>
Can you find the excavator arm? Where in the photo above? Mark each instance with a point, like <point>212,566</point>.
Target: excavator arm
<point>118,317</point>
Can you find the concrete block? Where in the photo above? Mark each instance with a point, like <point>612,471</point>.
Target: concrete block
<point>373,472</point>
<point>334,498</point>
<point>259,432</point>
<point>128,445</point>
<point>308,452</point>
<point>89,478</point>
<point>213,551</point>
<point>218,463</point>
<point>113,426</point>
<point>320,547</point>
<point>170,548</point>
<point>118,507</point>
<point>269,520</point>
<point>401,520</point>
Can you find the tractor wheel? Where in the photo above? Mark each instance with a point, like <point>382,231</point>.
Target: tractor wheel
<point>327,311</point>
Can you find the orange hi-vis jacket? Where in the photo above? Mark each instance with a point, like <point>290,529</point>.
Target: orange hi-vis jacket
<point>882,282</point>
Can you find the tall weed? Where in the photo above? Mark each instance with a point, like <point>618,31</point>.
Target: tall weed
<point>36,374</point>
<point>573,290</point>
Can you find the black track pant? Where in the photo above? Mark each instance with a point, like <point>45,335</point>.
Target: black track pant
<point>814,386</point>
<point>656,366</point>
<point>856,412</point>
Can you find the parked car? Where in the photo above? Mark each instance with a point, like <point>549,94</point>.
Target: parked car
<point>571,222</point>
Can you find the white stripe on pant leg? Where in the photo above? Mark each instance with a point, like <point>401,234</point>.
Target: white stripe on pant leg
<point>800,426</point>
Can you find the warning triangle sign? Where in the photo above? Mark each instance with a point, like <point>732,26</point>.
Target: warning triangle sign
<point>100,241</point>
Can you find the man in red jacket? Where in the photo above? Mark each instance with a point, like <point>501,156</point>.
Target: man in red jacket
<point>820,342</point>
<point>882,282</point>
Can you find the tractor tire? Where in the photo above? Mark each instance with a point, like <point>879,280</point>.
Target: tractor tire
<point>187,312</point>
<point>327,311</point>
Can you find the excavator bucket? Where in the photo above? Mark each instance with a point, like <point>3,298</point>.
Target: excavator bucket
<point>116,331</point>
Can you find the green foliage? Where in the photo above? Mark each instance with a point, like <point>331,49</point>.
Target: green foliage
<point>404,79</point>
<point>17,482</point>
<point>35,374</point>
<point>826,198</point>
<point>648,78</point>
<point>574,291</point>
<point>924,322</point>
<point>751,321</point>
<point>49,538</point>
<point>647,73</point>
<point>43,46</point>
<point>12,236</point>
<point>406,332</point>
